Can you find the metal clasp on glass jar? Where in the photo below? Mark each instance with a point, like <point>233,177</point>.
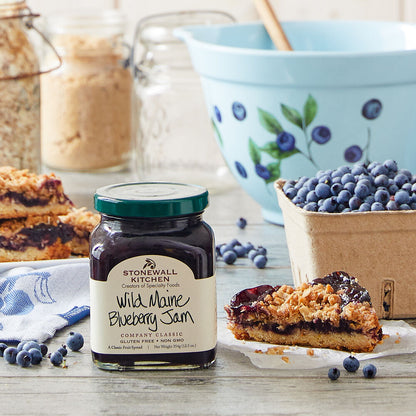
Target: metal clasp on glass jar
<point>175,139</point>
<point>19,81</point>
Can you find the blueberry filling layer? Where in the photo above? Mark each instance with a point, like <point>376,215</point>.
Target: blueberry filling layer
<point>40,236</point>
<point>316,326</point>
<point>31,202</point>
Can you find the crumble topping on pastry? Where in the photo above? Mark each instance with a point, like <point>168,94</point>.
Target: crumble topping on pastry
<point>332,312</point>
<point>23,193</point>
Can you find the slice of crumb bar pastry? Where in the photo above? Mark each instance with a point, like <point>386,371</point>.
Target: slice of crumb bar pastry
<point>23,193</point>
<point>82,222</point>
<point>37,237</point>
<point>330,312</point>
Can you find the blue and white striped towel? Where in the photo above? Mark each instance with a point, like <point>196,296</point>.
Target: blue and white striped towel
<point>39,298</point>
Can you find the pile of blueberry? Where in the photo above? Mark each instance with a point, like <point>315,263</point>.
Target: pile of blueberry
<point>28,353</point>
<point>362,187</point>
<point>234,249</point>
<point>351,364</point>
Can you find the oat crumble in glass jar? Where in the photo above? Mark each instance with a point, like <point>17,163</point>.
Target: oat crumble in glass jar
<point>175,137</point>
<point>19,86</point>
<point>87,104</point>
<point>152,286</point>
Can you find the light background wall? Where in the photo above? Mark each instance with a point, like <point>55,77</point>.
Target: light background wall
<point>244,10</point>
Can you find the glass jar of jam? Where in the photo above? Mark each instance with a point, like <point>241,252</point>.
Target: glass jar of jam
<point>152,286</point>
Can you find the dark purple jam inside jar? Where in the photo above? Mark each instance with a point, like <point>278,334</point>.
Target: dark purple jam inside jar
<point>153,302</point>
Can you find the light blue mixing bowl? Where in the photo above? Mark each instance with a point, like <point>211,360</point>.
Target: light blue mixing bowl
<point>346,93</point>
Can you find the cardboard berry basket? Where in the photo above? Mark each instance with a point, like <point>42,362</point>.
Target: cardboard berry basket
<point>378,248</point>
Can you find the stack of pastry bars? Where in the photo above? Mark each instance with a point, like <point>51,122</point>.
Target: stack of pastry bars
<point>37,220</point>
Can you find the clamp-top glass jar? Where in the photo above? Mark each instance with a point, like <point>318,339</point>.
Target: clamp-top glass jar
<point>87,104</point>
<point>152,286</point>
<point>175,138</point>
<point>19,85</point>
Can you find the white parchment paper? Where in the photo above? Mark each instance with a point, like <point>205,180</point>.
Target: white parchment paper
<point>401,340</point>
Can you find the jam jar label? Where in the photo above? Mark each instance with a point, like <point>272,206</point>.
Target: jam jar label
<point>153,304</point>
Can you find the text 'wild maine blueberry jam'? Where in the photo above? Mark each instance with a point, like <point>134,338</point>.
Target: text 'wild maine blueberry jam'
<point>152,286</point>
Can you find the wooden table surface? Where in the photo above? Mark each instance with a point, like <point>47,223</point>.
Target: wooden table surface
<point>233,386</point>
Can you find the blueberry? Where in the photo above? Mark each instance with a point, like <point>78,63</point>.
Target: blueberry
<point>334,373</point>
<point>31,344</point>
<point>56,358</point>
<point>406,172</point>
<point>358,169</point>
<point>36,356</point>
<point>291,193</point>
<point>407,187</point>
<point>311,206</point>
<point>240,250</point>
<point>393,189</point>
<point>3,346</point>
<point>343,197</point>
<point>239,111</point>
<point>248,246</point>
<point>404,207</point>
<point>391,165</point>
<point>10,354</point>
<point>351,364</point>
<point>20,345</point>
<point>260,261</point>
<point>23,358</point>
<point>369,371</point>
<point>353,154</point>
<point>226,247</point>
<point>336,188</point>
<point>217,113</point>
<point>400,179</point>
<point>362,190</point>
<point>323,190</point>
<point>382,196</point>
<point>402,197</point>
<point>298,200</point>
<point>234,242</point>
<point>392,206</point>
<point>229,257</point>
<point>371,109</point>
<point>379,170</point>
<point>327,179</point>
<point>262,250</point>
<point>303,192</point>
<point>311,197</point>
<point>381,180</point>
<point>285,141</point>
<point>241,223</point>
<point>377,206</point>
<point>347,177</point>
<point>252,253</point>
<point>330,204</point>
<point>311,183</point>
<point>350,187</point>
<point>75,341</point>
<point>62,349</point>
<point>365,206</point>
<point>263,172</point>
<point>354,202</point>
<point>240,169</point>
<point>321,134</point>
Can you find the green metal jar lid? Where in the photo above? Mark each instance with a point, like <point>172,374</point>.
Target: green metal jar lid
<point>150,199</point>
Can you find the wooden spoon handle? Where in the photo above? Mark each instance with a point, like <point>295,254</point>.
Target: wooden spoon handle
<point>272,25</point>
